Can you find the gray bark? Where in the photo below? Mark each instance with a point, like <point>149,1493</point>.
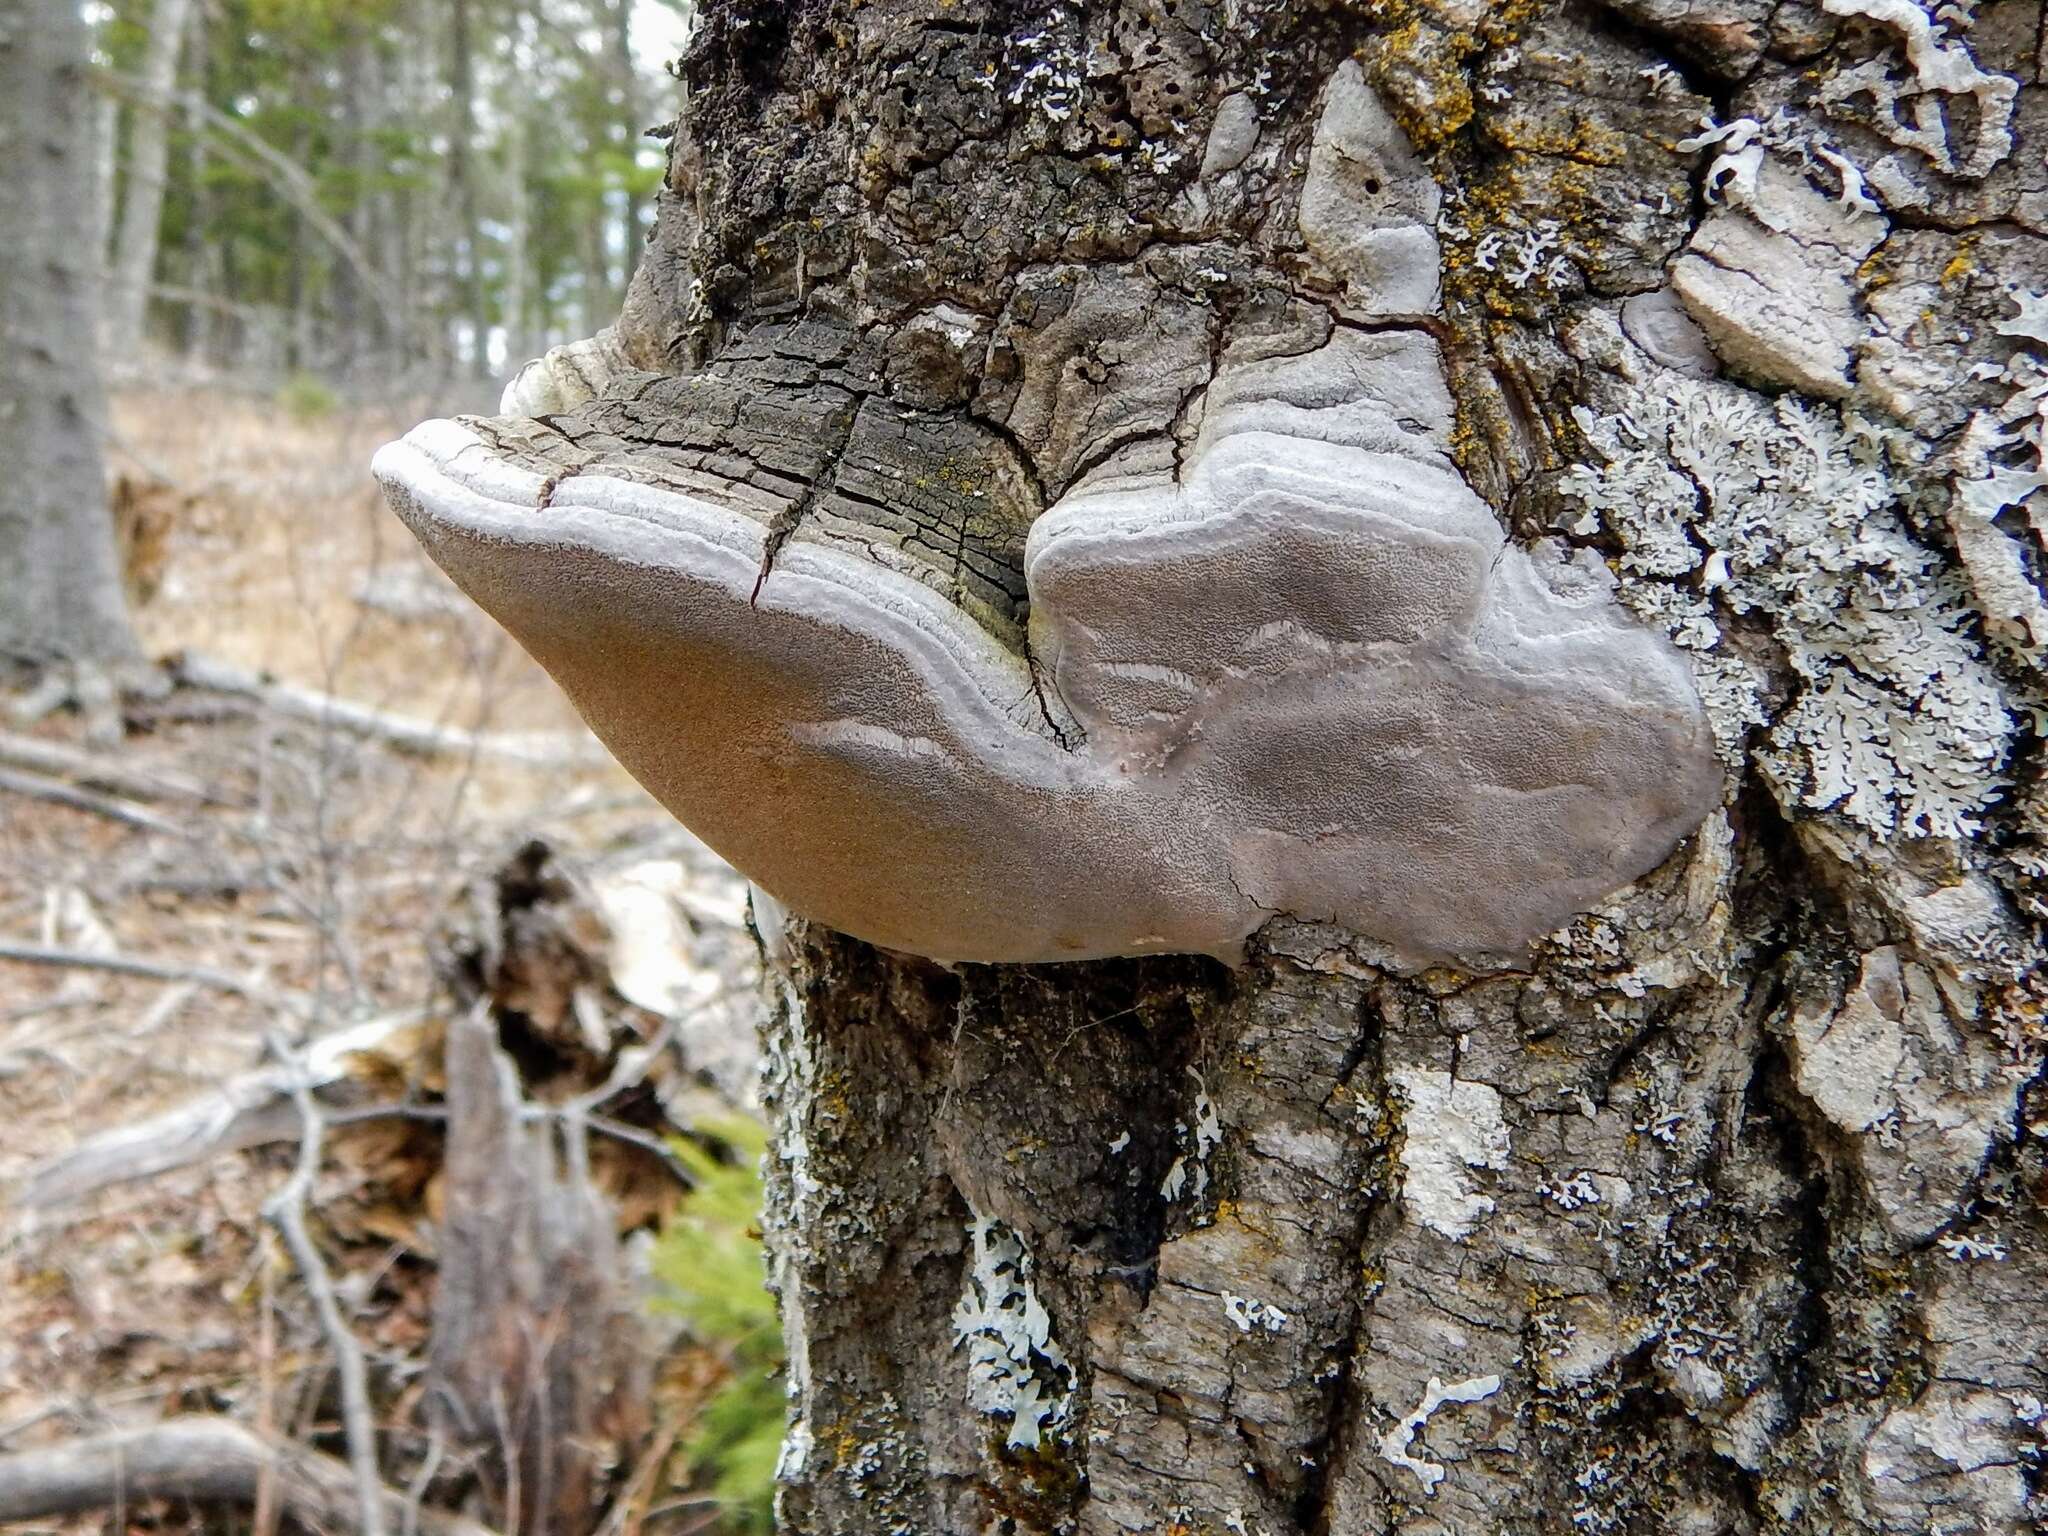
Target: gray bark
<point>1722,1210</point>
<point>135,247</point>
<point>106,137</point>
<point>60,581</point>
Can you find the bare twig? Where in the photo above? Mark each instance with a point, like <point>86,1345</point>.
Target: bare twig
<point>286,1211</point>
<point>416,1490</point>
<point>57,792</point>
<point>150,970</point>
<point>264,1520</point>
<point>629,1508</point>
<point>207,1459</point>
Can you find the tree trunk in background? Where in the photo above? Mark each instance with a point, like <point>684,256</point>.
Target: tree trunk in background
<point>200,260</point>
<point>519,335</point>
<point>60,580</point>
<point>358,340</point>
<point>134,260</point>
<point>462,175</point>
<point>1724,1211</point>
<point>518,235</point>
<point>619,29</point>
<point>106,138</point>
<point>401,222</point>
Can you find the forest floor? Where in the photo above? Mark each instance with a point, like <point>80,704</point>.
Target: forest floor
<point>294,879</point>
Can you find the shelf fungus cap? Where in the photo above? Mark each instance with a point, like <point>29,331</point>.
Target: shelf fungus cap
<point>1310,677</point>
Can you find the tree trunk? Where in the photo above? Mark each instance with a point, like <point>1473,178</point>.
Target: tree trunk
<point>1717,1209</point>
<point>60,579</point>
<point>134,260</point>
<point>462,174</point>
<point>200,261</point>
<point>106,140</point>
<point>619,27</point>
<point>360,346</point>
<point>518,307</point>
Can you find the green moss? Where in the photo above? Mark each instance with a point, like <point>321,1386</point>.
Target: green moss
<point>709,1263</point>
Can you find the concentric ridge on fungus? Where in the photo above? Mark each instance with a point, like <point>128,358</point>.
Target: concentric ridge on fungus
<point>1313,678</point>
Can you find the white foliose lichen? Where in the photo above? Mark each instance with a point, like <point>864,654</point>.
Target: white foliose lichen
<point>1570,1193</point>
<point>1016,1369</point>
<point>1395,1444</point>
<point>1188,1174</point>
<point>1046,66</point>
<point>1966,1250</point>
<point>1743,142</point>
<point>1247,1314</point>
<point>1909,111</point>
<point>1524,256</point>
<point>1450,1128</point>
<point>2002,467</point>
<point>1801,519</point>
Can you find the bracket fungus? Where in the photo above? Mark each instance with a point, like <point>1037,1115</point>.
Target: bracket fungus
<point>1306,675</point>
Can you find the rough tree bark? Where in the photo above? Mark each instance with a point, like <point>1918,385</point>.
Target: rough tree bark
<point>1722,1209</point>
<point>60,578</point>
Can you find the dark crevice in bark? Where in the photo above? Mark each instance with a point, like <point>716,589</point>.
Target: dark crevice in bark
<point>1774,1101</point>
<point>1688,62</point>
<point>1344,1413</point>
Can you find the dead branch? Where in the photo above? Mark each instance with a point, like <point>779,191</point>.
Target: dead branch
<point>96,770</point>
<point>535,749</point>
<point>150,970</point>
<point>250,1110</point>
<point>205,1459</point>
<point>286,1211</point>
<point>57,792</point>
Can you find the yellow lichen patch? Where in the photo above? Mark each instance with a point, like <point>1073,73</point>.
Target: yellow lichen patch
<point>1962,264</point>
<point>1574,137</point>
<point>1421,72</point>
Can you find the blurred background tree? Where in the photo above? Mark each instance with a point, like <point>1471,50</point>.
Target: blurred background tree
<point>380,194</point>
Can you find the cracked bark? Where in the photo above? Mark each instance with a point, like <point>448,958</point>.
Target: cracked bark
<point>899,263</point>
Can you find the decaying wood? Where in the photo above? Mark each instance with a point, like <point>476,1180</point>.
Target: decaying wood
<point>255,1109</point>
<point>207,1460</point>
<point>537,1343</point>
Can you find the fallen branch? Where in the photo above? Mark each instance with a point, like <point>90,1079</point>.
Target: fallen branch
<point>98,771</point>
<point>212,1460</point>
<point>150,970</point>
<point>286,1211</point>
<point>36,787</point>
<point>534,749</point>
<point>251,1110</point>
